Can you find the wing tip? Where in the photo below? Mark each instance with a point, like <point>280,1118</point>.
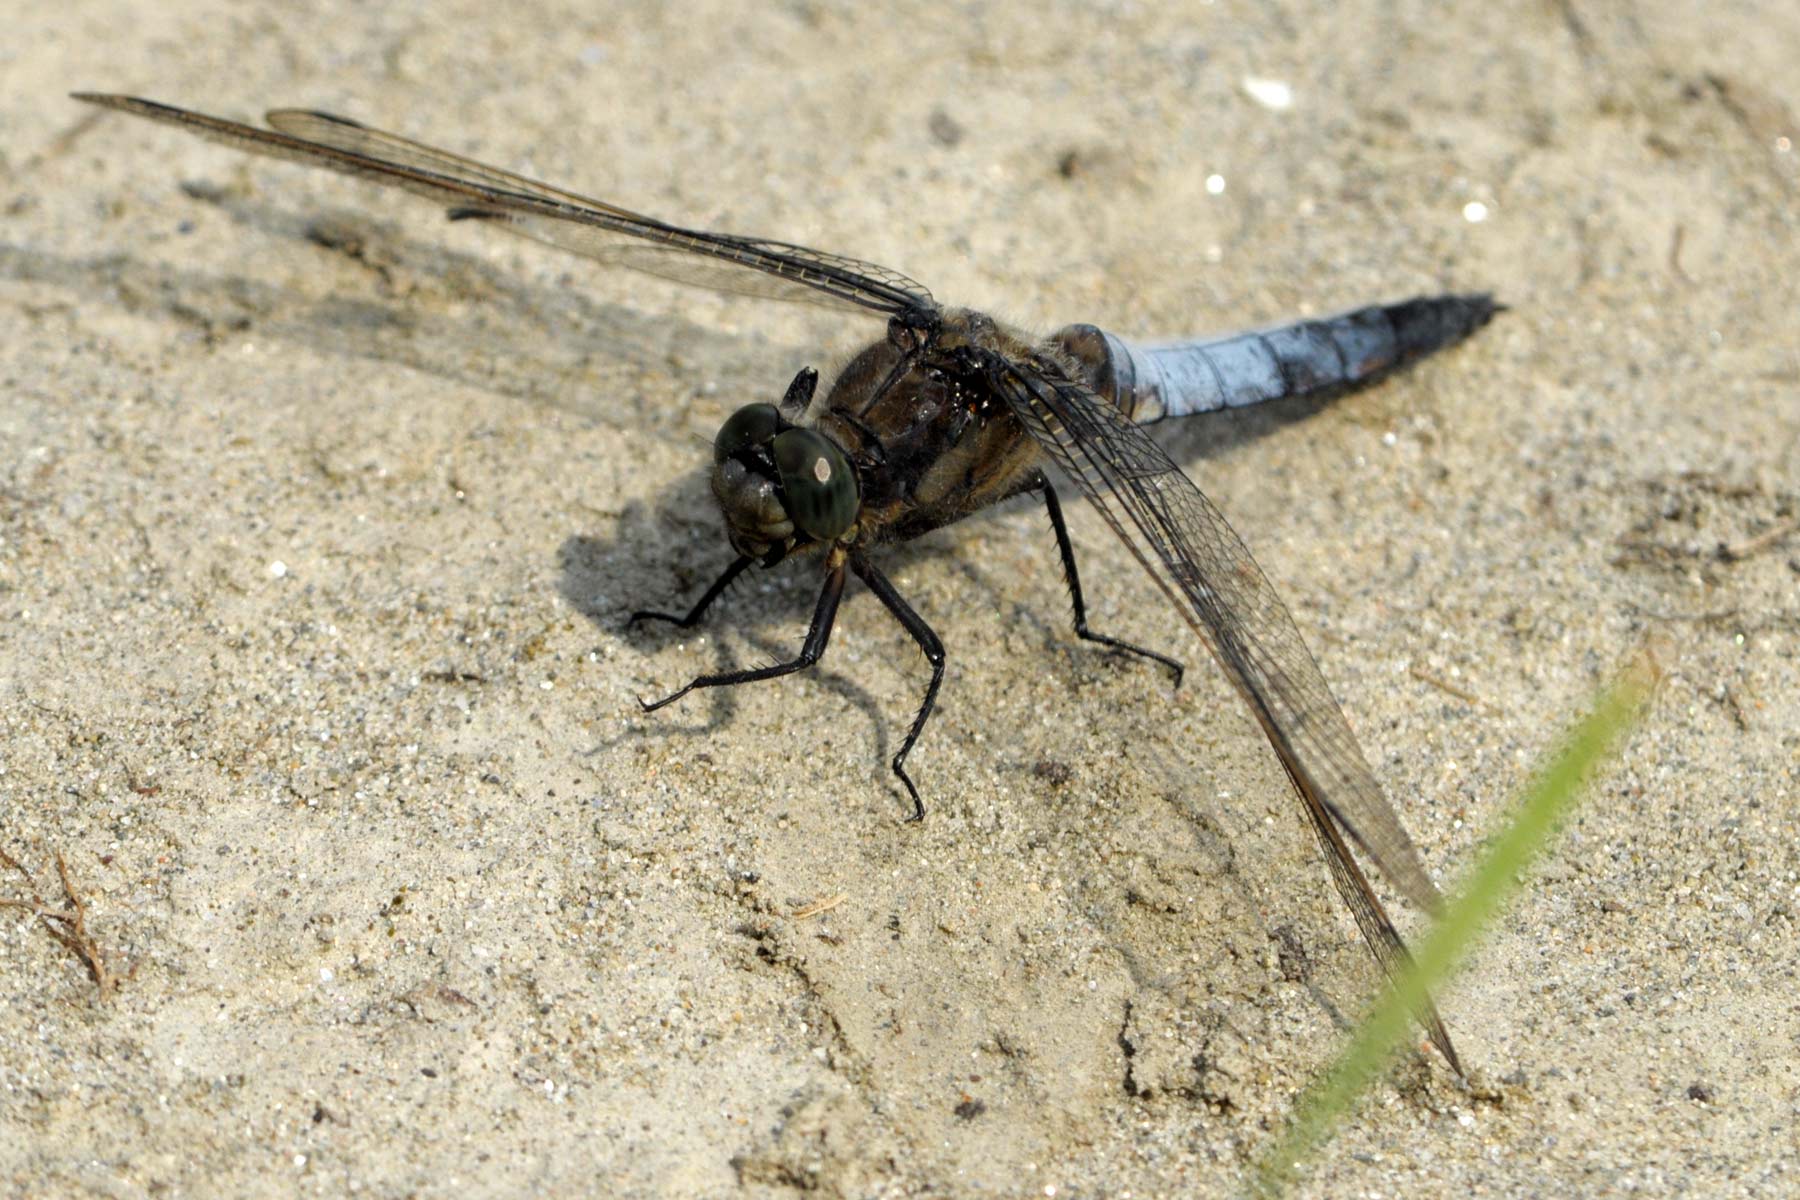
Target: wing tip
<point>1440,1039</point>
<point>115,100</point>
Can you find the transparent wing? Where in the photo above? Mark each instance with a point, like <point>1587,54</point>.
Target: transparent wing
<point>1207,572</point>
<point>592,228</point>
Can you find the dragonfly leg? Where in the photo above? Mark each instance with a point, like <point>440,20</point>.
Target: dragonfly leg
<point>700,606</point>
<point>816,637</point>
<point>1054,507</point>
<point>921,633</point>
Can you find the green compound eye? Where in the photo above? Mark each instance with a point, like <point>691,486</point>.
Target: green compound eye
<point>751,425</point>
<point>819,486</point>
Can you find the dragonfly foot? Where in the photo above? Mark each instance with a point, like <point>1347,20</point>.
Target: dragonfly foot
<point>651,706</point>
<point>1118,646</point>
<point>918,812</point>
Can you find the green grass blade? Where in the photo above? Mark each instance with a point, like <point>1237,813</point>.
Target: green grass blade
<point>1531,828</point>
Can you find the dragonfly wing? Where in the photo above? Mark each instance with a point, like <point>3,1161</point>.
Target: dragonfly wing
<point>1185,543</point>
<point>721,263</point>
<point>593,228</point>
<point>353,137</point>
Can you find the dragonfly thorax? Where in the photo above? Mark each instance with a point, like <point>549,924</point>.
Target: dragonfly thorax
<point>780,484</point>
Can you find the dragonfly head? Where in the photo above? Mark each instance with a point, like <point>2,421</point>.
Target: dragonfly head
<point>780,484</point>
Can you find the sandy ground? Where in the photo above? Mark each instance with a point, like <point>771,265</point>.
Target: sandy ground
<point>320,519</point>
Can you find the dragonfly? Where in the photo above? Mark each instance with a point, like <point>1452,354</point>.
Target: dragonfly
<point>951,412</point>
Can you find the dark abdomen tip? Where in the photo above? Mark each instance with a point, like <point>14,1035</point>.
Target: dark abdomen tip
<point>1427,323</point>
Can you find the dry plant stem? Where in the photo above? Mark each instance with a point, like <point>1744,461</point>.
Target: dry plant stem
<point>819,906</point>
<point>1739,551</point>
<point>68,926</point>
<point>1444,685</point>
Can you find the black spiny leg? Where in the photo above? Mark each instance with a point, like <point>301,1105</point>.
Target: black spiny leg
<point>914,624</point>
<point>816,637</point>
<point>1054,507</point>
<point>705,602</point>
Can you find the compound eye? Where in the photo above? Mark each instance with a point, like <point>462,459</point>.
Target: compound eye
<point>816,480</point>
<point>751,425</point>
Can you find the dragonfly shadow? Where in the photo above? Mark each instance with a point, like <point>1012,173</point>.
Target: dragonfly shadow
<point>760,619</point>
<point>1247,880</point>
<point>1140,902</point>
<point>440,312</point>
<point>1195,439</point>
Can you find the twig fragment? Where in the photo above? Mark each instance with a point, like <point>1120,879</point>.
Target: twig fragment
<point>1739,551</point>
<point>1444,685</point>
<point>819,906</point>
<point>68,926</point>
